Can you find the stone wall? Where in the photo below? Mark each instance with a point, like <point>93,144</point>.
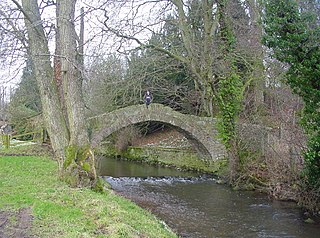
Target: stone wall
<point>184,159</point>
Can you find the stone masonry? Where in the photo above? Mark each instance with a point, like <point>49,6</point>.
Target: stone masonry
<point>200,131</point>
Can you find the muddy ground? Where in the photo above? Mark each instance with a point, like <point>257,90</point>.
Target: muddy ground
<point>16,224</point>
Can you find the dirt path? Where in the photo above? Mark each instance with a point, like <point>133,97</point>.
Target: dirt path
<point>16,224</point>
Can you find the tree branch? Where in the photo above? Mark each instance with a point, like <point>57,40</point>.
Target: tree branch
<point>142,45</point>
<point>26,15</point>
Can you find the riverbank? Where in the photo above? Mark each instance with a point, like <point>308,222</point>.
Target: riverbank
<point>274,170</point>
<point>35,203</point>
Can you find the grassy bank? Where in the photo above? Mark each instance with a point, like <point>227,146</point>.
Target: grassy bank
<point>30,182</point>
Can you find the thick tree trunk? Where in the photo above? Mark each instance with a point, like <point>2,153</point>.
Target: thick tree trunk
<point>67,130</point>
<point>79,166</point>
<point>38,48</point>
<point>71,74</point>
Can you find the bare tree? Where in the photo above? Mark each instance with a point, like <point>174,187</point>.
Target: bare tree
<point>199,24</point>
<point>67,129</point>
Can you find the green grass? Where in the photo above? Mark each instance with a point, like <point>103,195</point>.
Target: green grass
<point>61,211</point>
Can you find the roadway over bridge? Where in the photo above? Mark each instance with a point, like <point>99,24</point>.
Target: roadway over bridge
<point>200,131</point>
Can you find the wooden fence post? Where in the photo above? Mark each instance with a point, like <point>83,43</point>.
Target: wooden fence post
<point>6,140</point>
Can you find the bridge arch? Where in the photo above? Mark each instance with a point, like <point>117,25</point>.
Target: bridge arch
<point>200,131</point>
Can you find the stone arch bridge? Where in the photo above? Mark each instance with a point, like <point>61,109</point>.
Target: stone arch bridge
<point>200,131</point>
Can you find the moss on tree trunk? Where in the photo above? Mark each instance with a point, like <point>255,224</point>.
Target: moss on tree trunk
<point>79,167</point>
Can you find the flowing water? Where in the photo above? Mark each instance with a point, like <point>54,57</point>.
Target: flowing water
<point>197,206</point>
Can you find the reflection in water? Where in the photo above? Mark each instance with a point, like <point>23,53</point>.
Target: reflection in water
<point>199,207</point>
<point>121,168</point>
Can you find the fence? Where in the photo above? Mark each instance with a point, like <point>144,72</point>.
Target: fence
<point>10,140</point>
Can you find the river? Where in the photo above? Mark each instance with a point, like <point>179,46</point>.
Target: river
<point>196,206</point>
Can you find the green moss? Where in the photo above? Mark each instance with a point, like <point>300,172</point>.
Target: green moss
<point>136,153</point>
<point>179,158</point>
<point>86,167</point>
<point>82,153</point>
<point>99,186</point>
<point>71,154</point>
<point>77,154</point>
<point>77,167</point>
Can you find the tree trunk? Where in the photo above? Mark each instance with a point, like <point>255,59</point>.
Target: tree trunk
<point>80,159</point>
<point>71,74</point>
<point>67,130</point>
<point>52,113</point>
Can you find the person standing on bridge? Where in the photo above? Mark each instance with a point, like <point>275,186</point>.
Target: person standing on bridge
<point>147,98</point>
